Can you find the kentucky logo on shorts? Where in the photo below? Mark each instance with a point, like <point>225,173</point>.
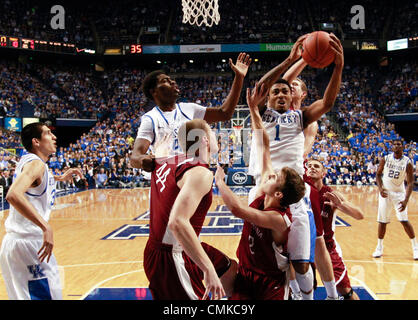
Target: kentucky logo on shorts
<point>36,271</point>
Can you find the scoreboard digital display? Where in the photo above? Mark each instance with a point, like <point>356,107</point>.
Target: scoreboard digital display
<point>135,48</point>
<point>36,45</point>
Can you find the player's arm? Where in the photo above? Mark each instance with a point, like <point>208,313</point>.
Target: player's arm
<point>409,185</point>
<point>274,74</point>
<point>226,111</point>
<point>31,173</point>
<point>310,135</point>
<point>139,158</point>
<point>295,70</point>
<point>146,133</point>
<point>68,174</point>
<point>266,219</point>
<point>262,141</point>
<point>194,185</point>
<point>319,107</point>
<point>379,181</point>
<point>336,200</point>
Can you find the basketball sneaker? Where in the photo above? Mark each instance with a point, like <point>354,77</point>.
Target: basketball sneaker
<point>378,252</point>
<point>336,298</point>
<point>415,251</point>
<point>296,296</point>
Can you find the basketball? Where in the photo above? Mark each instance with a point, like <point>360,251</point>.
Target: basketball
<point>317,51</point>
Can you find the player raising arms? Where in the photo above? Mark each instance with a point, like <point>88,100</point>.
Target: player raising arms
<point>322,257</point>
<point>329,202</point>
<point>168,115</point>
<point>262,266</point>
<point>175,261</point>
<point>285,129</point>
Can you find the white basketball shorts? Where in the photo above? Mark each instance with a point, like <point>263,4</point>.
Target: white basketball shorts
<point>27,278</point>
<point>386,204</point>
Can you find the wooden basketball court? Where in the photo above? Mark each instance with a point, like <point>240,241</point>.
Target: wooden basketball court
<point>100,237</point>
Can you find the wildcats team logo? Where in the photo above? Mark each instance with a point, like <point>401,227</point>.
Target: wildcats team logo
<point>220,222</point>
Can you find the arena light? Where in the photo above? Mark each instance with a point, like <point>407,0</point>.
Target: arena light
<point>398,44</point>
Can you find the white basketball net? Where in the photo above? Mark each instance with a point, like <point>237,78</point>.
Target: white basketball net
<point>200,11</point>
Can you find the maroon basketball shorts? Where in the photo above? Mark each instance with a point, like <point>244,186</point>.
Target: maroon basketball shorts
<point>174,276</point>
<point>250,285</point>
<point>340,270</point>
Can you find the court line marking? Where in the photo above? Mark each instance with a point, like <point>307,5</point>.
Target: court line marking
<point>96,264</point>
<point>100,263</point>
<point>383,262</point>
<point>108,279</point>
<point>371,292</point>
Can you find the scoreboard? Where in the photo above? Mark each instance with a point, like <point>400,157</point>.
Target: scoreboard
<point>36,45</point>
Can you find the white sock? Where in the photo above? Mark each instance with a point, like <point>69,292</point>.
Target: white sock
<point>293,284</point>
<point>380,243</point>
<point>331,289</point>
<point>305,282</point>
<point>414,243</point>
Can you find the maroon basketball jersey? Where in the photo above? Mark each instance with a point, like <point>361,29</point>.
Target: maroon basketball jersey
<point>256,248</point>
<point>315,198</point>
<point>164,191</point>
<point>328,217</point>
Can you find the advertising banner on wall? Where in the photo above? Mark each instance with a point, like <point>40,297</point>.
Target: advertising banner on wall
<point>14,124</point>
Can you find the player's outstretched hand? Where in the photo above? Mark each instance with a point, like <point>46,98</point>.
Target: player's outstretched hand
<point>241,66</point>
<point>213,285</point>
<point>296,51</point>
<point>333,199</point>
<point>256,95</point>
<point>219,175</point>
<point>68,174</point>
<point>337,47</point>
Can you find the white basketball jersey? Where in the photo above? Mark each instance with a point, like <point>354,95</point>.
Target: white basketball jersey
<point>41,197</point>
<point>287,140</point>
<point>394,173</point>
<point>156,124</point>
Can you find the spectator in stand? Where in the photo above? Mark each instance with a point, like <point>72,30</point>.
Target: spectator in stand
<point>101,179</point>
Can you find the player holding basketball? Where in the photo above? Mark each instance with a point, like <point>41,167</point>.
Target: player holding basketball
<point>29,267</point>
<point>329,201</point>
<point>175,261</point>
<point>285,128</point>
<point>322,257</point>
<point>262,266</point>
<point>167,116</point>
<point>299,94</point>
<point>390,176</point>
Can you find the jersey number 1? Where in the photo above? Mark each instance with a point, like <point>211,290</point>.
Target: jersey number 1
<point>277,138</point>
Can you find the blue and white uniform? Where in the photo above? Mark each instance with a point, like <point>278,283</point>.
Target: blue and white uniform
<point>394,175</point>
<point>24,275</point>
<point>156,124</point>
<point>287,140</point>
